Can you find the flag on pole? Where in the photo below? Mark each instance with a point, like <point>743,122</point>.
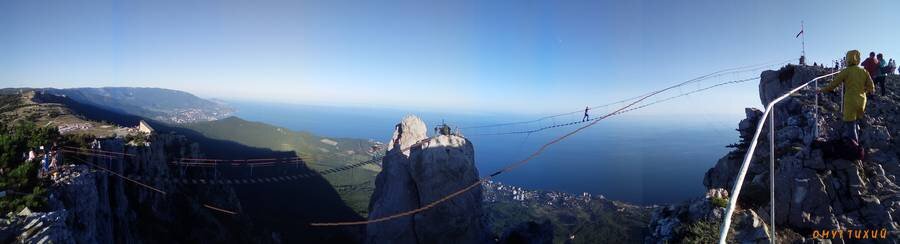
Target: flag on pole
<point>798,34</point>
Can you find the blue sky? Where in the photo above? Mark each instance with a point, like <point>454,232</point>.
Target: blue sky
<point>519,56</point>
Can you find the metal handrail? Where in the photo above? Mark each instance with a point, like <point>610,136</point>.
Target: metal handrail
<point>736,191</point>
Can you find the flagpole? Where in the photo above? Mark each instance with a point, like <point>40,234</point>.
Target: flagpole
<point>802,40</point>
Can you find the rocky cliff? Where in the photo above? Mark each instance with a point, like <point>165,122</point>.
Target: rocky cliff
<point>814,193</point>
<point>423,174</point>
<point>89,205</point>
<point>94,207</point>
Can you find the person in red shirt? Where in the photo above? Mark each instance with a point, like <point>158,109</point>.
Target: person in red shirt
<point>871,65</point>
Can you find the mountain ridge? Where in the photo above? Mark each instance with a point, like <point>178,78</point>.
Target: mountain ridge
<point>269,218</point>
<point>166,105</point>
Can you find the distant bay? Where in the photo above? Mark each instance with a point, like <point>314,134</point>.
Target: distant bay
<point>635,158</point>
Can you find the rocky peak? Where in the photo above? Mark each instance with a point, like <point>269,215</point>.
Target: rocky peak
<point>409,131</point>
<point>813,192</point>
<point>427,172</point>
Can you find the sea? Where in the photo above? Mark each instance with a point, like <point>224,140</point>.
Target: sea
<point>640,159</point>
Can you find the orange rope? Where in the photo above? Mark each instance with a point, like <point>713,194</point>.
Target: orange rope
<point>122,176</point>
<point>219,209</point>
<point>505,169</point>
<point>147,186</point>
<point>96,150</point>
<point>88,154</point>
<point>239,160</point>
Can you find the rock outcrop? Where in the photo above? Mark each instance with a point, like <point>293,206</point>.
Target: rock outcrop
<point>813,192</point>
<point>38,227</point>
<point>89,205</point>
<point>425,173</point>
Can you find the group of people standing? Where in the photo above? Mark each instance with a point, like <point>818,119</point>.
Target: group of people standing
<point>878,69</point>
<point>49,160</point>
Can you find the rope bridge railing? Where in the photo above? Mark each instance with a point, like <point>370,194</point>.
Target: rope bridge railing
<point>620,112</point>
<point>145,185</point>
<point>240,162</point>
<point>742,173</point>
<point>719,73</point>
<point>507,168</point>
<point>629,107</point>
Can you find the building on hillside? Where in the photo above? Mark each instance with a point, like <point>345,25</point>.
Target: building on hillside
<point>145,128</point>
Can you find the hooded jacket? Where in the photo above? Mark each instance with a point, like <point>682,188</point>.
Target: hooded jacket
<point>857,83</point>
<point>870,64</point>
<point>882,68</point>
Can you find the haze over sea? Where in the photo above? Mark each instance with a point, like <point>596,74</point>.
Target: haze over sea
<point>646,159</point>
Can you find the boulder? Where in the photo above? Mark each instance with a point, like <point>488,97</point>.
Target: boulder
<point>750,228</point>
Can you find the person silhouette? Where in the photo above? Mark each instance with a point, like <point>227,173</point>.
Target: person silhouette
<point>586,116</point>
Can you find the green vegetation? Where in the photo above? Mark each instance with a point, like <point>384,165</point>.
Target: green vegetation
<point>602,222</point>
<point>154,103</point>
<point>719,201</point>
<point>702,232</point>
<point>20,179</point>
<point>305,144</point>
<point>355,186</point>
<point>137,138</point>
<point>43,110</point>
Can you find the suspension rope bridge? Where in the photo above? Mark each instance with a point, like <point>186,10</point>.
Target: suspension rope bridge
<point>507,168</point>
<point>621,112</point>
<point>742,69</point>
<point>144,185</point>
<point>238,162</point>
<point>247,180</point>
<point>122,176</point>
<point>137,179</point>
<point>96,150</point>
<point>262,162</point>
<point>632,104</point>
<point>90,153</point>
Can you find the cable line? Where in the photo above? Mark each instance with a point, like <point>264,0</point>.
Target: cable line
<point>508,168</point>
<point>621,112</point>
<point>266,179</point>
<point>219,209</point>
<point>631,106</point>
<point>121,176</point>
<point>97,151</point>
<point>700,78</point>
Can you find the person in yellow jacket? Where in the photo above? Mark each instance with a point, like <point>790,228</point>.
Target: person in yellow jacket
<point>857,82</point>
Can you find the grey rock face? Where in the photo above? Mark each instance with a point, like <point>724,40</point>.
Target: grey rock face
<point>408,132</point>
<point>812,192</point>
<point>79,193</point>
<point>49,227</point>
<point>750,228</point>
<point>88,205</point>
<point>428,172</point>
<point>395,190</point>
<point>667,223</point>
